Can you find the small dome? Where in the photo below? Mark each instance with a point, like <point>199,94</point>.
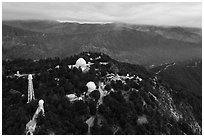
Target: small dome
<point>80,63</point>
<point>41,102</point>
<point>91,86</point>
<point>30,76</point>
<point>57,67</point>
<point>71,96</point>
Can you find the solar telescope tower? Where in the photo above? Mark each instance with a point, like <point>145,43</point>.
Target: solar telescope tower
<point>31,95</point>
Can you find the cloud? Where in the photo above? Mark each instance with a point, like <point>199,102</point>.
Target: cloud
<point>182,14</point>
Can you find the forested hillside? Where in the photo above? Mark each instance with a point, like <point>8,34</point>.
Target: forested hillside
<point>128,99</point>
<point>137,44</point>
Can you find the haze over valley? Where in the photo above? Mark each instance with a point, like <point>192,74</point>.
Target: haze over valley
<point>137,44</point>
<point>125,68</point>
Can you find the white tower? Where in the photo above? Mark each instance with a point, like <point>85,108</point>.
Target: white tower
<point>31,125</point>
<point>31,95</point>
<point>18,73</point>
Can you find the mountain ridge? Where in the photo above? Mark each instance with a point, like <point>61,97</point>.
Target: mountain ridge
<point>136,101</point>
<point>122,42</point>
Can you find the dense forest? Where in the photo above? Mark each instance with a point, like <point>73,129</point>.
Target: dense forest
<point>136,101</point>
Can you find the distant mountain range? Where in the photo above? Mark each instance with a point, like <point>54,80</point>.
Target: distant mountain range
<point>138,44</point>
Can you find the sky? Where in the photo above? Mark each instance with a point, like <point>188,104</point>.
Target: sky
<point>151,13</point>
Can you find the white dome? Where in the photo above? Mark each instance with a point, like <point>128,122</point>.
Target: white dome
<point>30,76</point>
<point>81,63</point>
<point>57,66</point>
<point>71,96</point>
<point>91,86</point>
<point>41,102</point>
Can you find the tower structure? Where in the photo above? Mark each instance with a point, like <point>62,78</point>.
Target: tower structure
<point>31,125</point>
<point>31,95</point>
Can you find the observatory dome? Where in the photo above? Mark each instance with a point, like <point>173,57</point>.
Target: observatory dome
<point>41,102</point>
<point>91,86</point>
<point>81,63</point>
